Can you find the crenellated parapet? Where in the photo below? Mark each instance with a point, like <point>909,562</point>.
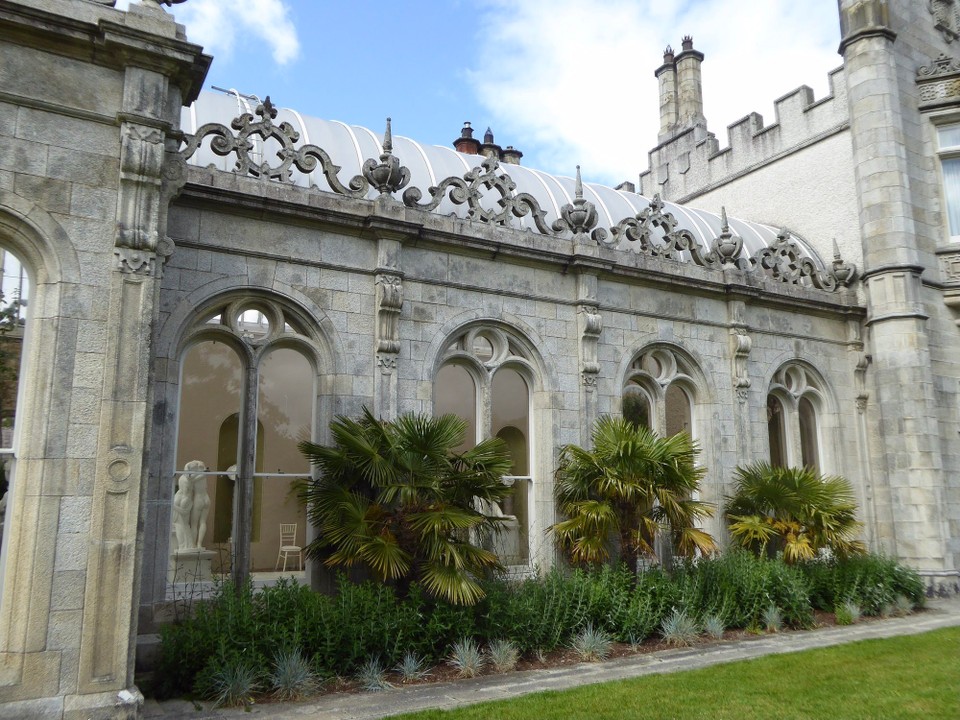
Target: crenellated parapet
<point>692,162</point>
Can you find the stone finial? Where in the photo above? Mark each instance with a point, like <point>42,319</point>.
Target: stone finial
<point>580,217</point>
<point>488,136</point>
<point>388,176</point>
<point>843,272</point>
<point>727,245</point>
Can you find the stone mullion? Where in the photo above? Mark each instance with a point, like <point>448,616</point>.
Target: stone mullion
<point>246,467</point>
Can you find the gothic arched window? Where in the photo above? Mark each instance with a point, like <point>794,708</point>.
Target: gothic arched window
<point>247,398</point>
<point>486,378</point>
<point>659,392</point>
<point>794,408</point>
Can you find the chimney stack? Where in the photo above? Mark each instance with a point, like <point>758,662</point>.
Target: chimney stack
<point>681,90</point>
<point>467,143</point>
<point>667,75</point>
<point>689,86</point>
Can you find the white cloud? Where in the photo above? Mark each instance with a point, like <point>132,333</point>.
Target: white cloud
<point>220,25</point>
<point>574,78</point>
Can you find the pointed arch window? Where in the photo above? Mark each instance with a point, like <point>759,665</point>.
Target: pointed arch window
<point>794,410</point>
<point>247,397</point>
<point>659,392</point>
<point>486,379</point>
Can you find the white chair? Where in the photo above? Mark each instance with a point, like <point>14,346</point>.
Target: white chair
<point>288,547</point>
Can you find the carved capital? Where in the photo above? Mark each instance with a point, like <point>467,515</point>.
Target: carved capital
<point>387,362</point>
<point>136,262</point>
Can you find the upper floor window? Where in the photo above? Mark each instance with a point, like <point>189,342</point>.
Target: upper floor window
<point>948,143</point>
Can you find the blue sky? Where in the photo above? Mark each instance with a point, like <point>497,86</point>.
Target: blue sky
<point>566,81</point>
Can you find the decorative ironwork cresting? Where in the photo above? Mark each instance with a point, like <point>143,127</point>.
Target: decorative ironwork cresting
<point>470,191</point>
<point>490,197</point>
<point>306,159</point>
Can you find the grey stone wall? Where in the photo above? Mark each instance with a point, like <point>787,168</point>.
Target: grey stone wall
<point>67,179</point>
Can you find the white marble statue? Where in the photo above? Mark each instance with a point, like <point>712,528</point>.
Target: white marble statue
<point>191,505</point>
<point>182,505</point>
<point>201,505</point>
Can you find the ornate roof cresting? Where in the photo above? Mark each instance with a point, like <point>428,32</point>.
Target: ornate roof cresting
<point>784,262</point>
<point>490,197</point>
<point>650,222</point>
<point>470,190</point>
<point>306,159</point>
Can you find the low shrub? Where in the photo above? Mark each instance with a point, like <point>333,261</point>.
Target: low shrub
<point>870,581</point>
<point>339,635</point>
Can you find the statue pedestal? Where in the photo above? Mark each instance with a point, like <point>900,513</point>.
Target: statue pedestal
<point>190,566</point>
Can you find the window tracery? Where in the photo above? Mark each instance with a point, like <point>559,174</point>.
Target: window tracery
<point>659,392</point>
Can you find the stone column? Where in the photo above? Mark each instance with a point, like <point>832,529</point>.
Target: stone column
<point>907,456</point>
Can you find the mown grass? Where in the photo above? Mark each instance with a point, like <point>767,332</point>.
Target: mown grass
<point>891,679</point>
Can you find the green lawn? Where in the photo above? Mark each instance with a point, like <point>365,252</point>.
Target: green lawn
<point>909,677</point>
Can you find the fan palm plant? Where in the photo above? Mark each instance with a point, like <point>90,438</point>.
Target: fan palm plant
<point>794,510</point>
<point>396,498</point>
<point>631,486</point>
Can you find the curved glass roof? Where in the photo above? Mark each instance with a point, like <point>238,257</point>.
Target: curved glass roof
<point>350,145</point>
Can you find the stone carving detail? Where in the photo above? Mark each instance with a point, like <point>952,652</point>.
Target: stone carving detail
<point>946,16</point>
<point>783,261</point>
<point>939,91</point>
<point>470,190</point>
<point>860,379</point>
<point>592,326</point>
<point>306,159</point>
<point>580,218</point>
<point>943,65</point>
<point>389,305</point>
<point>653,231</point>
<point>742,344</point>
<point>387,176</point>
<point>643,229</point>
<point>950,266</point>
<point>141,167</point>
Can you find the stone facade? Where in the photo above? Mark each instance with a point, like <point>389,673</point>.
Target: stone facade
<point>139,252</point>
<point>861,166</point>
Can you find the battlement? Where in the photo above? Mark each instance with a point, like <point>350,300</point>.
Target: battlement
<point>691,162</point>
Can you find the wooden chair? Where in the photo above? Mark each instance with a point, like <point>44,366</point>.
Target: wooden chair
<point>288,547</point>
